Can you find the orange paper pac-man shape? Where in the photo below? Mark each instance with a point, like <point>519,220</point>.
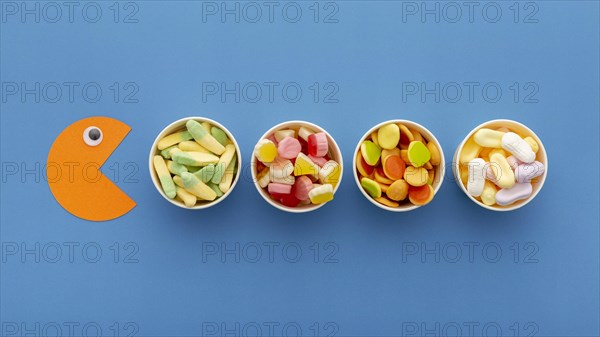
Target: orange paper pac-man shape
<point>74,163</point>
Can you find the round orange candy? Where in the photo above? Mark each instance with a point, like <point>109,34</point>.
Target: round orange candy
<point>394,167</point>
<point>421,195</point>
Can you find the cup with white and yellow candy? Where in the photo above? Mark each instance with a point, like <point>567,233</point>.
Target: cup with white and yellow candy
<point>501,165</point>
<point>194,163</point>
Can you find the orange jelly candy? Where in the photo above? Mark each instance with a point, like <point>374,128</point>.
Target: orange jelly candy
<point>394,167</point>
<point>421,195</point>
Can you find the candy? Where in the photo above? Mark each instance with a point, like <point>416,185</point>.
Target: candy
<point>430,177</point>
<point>281,172</point>
<point>371,187</point>
<point>470,151</point>
<point>196,187</point>
<point>166,153</point>
<point>418,154</point>
<point>404,156</point>
<point>436,157</point>
<point>380,176</point>
<point>304,165</point>
<point>215,188</point>
<point>192,146</point>
<point>387,202</point>
<point>477,172</point>
<point>281,134</point>
<point>304,132</point>
<point>302,186</point>
<point>175,168</point>
<point>222,164</point>
<point>393,152</point>
<point>301,163</point>
<point>403,159</point>
<point>317,144</point>
<point>330,173</point>
<point>263,177</point>
<point>394,167</point>
<point>388,136</point>
<point>318,160</point>
<point>194,158</point>
<point>519,148</point>
<point>177,180</point>
<point>364,169</point>
<point>173,139</point>
<point>508,196</point>
<point>164,176</point>
<point>383,187</point>
<point>187,198</point>
<point>417,135</point>
<point>406,136</point>
<point>488,138</point>
<point>490,172</point>
<point>374,138</point>
<point>420,195</point>
<point>279,188</point>
<point>321,194</point>
<point>513,162</point>
<point>505,177</point>
<point>227,180</point>
<point>204,138</point>
<point>416,176</point>
<point>511,168</point>
<point>265,151</point>
<point>196,168</point>
<point>219,135</point>
<point>370,152</point>
<point>488,195</point>
<point>535,147</point>
<point>289,148</point>
<point>206,173</point>
<point>289,200</point>
<point>524,173</point>
<point>398,190</point>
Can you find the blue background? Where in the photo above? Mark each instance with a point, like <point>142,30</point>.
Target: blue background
<point>371,287</point>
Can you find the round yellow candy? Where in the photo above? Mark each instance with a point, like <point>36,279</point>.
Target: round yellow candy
<point>416,176</point>
<point>388,136</point>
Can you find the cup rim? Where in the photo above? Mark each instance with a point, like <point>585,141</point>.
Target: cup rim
<point>308,208</point>
<point>430,137</point>
<point>509,208</point>
<point>154,151</point>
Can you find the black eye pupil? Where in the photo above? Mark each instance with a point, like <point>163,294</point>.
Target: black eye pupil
<point>94,134</point>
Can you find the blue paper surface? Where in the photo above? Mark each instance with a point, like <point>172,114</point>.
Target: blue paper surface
<point>244,268</point>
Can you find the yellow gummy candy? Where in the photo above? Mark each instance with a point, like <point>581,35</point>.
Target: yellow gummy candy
<point>504,174</point>
<point>470,151</point>
<point>330,173</point>
<point>321,194</point>
<point>305,166</point>
<point>265,151</point>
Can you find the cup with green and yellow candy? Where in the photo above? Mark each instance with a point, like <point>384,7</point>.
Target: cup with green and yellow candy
<point>194,162</point>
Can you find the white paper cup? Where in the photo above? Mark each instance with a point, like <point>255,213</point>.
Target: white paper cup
<point>334,154</point>
<point>515,127</point>
<point>440,170</point>
<point>179,125</point>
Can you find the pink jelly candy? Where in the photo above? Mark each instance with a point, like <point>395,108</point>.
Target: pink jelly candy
<point>276,188</point>
<point>289,148</point>
<point>302,186</point>
<point>318,160</point>
<point>317,144</point>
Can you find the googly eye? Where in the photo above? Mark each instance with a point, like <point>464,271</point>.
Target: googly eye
<point>92,136</point>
